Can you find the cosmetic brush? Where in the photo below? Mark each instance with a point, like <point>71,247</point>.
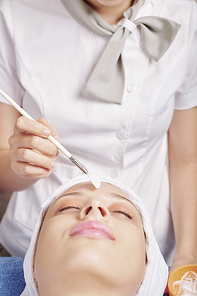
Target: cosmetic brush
<point>93,178</point>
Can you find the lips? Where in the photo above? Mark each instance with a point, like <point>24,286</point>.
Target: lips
<point>92,229</point>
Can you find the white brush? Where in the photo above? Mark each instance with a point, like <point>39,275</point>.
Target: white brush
<point>93,178</point>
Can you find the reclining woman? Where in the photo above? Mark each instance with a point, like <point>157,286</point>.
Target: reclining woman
<point>91,241</point>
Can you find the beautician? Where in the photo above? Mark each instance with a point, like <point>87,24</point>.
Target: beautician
<point>118,85</point>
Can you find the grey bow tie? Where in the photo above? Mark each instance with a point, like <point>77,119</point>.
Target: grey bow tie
<point>107,79</point>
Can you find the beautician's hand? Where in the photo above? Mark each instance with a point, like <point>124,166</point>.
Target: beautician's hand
<point>181,262</point>
<point>32,154</point>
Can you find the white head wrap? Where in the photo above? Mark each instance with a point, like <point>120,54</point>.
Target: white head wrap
<point>156,274</point>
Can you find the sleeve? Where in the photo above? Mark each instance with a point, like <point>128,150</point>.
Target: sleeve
<point>9,81</point>
<point>186,96</point>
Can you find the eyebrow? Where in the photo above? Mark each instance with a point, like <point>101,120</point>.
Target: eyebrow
<point>118,196</point>
<point>74,193</point>
<point>110,194</point>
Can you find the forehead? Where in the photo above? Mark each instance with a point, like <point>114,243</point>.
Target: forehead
<point>87,187</point>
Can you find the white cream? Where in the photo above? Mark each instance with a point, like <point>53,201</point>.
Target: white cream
<point>187,286</point>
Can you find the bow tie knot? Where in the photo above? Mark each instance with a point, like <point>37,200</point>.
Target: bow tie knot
<point>107,79</point>
<point>128,24</point>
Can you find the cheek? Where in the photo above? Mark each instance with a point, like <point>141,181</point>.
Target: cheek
<point>132,251</point>
<point>49,236</point>
<point>137,248</point>
<point>52,235</point>
<point>130,256</point>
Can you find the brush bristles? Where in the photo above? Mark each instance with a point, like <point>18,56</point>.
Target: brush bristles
<point>95,180</point>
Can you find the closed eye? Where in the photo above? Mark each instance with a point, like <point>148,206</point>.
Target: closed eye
<point>124,213</point>
<point>67,208</point>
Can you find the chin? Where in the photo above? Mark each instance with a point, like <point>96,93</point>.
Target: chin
<point>89,258</point>
<point>83,255</point>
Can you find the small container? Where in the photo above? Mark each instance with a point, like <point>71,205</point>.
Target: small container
<point>177,275</point>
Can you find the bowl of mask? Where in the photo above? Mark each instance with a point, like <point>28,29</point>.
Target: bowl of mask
<point>183,281</point>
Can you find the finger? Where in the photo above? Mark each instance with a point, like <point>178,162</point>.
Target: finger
<point>27,126</point>
<point>33,157</point>
<point>44,146</point>
<point>49,126</point>
<point>44,122</point>
<point>54,132</point>
<point>30,171</point>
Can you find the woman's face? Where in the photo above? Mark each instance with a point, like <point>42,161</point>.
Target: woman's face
<point>91,233</point>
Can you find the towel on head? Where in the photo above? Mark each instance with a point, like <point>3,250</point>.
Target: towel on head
<point>156,274</point>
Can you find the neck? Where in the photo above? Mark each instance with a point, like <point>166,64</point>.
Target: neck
<point>111,14</point>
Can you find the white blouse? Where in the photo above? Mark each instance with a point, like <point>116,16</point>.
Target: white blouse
<point>46,58</point>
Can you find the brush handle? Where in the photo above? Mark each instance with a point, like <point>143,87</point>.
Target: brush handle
<point>24,113</point>
<point>15,105</point>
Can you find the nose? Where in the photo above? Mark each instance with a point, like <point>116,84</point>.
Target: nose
<point>95,209</point>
